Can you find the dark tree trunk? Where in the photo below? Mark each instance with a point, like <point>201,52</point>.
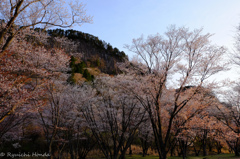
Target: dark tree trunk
<point>196,151</point>
<point>130,150</point>
<point>71,150</point>
<point>172,150</point>
<point>204,143</point>
<point>210,145</point>
<point>236,152</point>
<point>145,147</point>
<point>236,148</point>
<point>219,147</point>
<point>163,156</point>
<point>183,146</point>
<point>204,149</point>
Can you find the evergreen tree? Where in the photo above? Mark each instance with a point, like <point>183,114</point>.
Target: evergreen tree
<point>80,67</point>
<point>72,63</point>
<point>87,75</point>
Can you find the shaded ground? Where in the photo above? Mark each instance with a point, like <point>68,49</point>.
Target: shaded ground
<point>221,156</point>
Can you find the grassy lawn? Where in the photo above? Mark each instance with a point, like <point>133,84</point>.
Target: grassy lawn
<point>140,156</point>
<point>221,156</point>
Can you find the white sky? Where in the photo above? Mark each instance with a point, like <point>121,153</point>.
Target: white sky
<point>119,21</point>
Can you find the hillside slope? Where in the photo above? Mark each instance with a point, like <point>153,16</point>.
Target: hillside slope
<point>94,52</point>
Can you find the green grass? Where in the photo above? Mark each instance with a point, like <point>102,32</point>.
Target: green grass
<point>140,157</point>
<point>221,156</point>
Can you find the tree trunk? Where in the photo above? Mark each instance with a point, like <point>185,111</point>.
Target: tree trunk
<point>219,147</point>
<point>71,150</point>
<point>172,150</point>
<point>204,143</point>
<point>122,156</point>
<point>163,155</point>
<point>144,147</point>
<point>50,150</point>
<point>130,150</point>
<point>197,151</point>
<point>219,150</point>
<point>8,42</point>
<point>236,151</point>
<point>183,145</point>
<point>204,150</point>
<point>210,145</point>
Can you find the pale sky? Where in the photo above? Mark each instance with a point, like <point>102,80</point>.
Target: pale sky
<point>119,21</point>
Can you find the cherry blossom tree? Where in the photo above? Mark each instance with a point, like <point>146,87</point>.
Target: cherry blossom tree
<point>61,121</point>
<point>51,114</point>
<point>114,116</point>
<point>65,128</point>
<point>178,59</point>
<point>18,15</point>
<point>228,111</point>
<point>146,136</point>
<point>228,114</point>
<point>12,125</point>
<point>24,69</point>
<point>79,137</point>
<point>202,124</point>
<point>199,130</point>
